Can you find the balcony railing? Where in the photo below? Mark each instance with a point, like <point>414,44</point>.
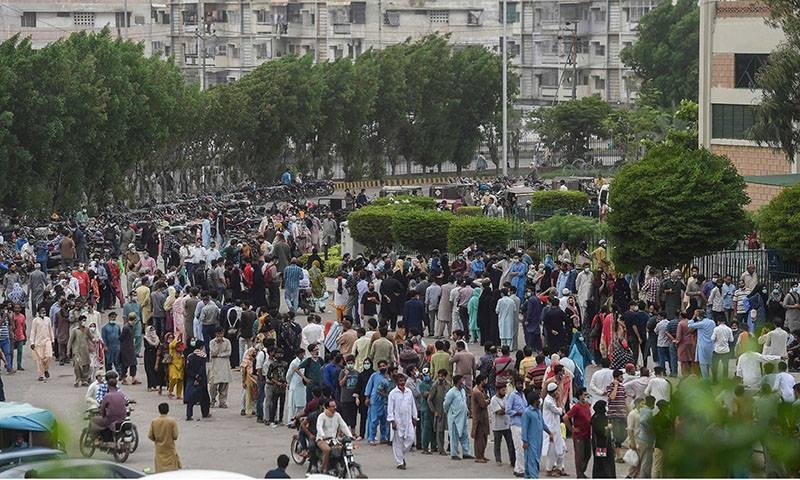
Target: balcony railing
<point>341,28</point>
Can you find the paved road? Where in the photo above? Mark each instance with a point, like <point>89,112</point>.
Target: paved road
<point>227,441</point>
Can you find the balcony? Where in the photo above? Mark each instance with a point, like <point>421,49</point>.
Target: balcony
<point>341,29</point>
<point>263,29</point>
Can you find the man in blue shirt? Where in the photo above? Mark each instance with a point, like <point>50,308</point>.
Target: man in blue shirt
<point>280,472</point>
<point>532,322</point>
<point>330,374</point>
<point>292,275</point>
<point>515,408</point>
<point>414,314</point>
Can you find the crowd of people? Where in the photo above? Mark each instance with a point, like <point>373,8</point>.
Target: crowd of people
<point>529,347</point>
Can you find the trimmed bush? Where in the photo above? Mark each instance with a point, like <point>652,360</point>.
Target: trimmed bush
<point>333,261</point>
<point>466,211</point>
<point>414,200</point>
<point>491,233</point>
<point>565,228</point>
<point>421,230</point>
<point>556,200</point>
<point>372,226</point>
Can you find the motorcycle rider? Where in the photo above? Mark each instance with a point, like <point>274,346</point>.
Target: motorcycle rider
<point>329,424</point>
<point>112,407</point>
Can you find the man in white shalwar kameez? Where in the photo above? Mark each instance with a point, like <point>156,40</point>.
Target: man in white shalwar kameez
<point>402,414</point>
<point>553,447</point>
<point>296,392</point>
<point>506,311</point>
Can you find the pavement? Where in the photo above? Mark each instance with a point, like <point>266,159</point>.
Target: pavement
<point>227,441</point>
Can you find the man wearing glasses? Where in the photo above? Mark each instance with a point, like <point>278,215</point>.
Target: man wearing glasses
<point>329,423</point>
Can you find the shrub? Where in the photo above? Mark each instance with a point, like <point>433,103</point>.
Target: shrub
<point>556,200</point>
<point>779,222</point>
<point>415,200</point>
<point>491,233</point>
<point>421,230</point>
<point>565,228</point>
<point>371,226</point>
<point>466,211</point>
<point>333,261</point>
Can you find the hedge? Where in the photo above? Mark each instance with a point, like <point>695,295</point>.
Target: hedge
<point>779,222</point>
<point>557,200</point>
<point>333,261</point>
<point>565,228</point>
<point>469,211</point>
<point>487,232</point>
<point>372,226</point>
<point>415,200</point>
<point>421,230</point>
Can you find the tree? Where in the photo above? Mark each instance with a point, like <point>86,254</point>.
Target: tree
<point>673,205</point>
<point>665,54</point>
<point>568,126</point>
<point>778,115</point>
<point>779,222</point>
<point>631,128</point>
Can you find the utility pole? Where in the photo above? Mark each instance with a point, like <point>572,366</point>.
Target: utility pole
<point>202,37</point>
<point>574,59</point>
<point>505,88</point>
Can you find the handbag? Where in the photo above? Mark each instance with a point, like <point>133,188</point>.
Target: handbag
<point>631,457</point>
<point>601,452</point>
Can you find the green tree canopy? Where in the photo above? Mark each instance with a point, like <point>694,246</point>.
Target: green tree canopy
<point>665,54</point>
<point>673,205</point>
<point>779,222</point>
<point>567,127</point>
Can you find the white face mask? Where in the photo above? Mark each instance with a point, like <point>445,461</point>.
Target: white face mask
<point>586,270</point>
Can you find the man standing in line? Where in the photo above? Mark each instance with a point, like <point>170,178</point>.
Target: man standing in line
<point>515,408</point>
<point>436,404</point>
<point>291,276</point>
<point>455,404</point>
<point>402,414</point>
<point>220,374</point>
<point>579,421</point>
<point>533,429</point>
<point>164,433</point>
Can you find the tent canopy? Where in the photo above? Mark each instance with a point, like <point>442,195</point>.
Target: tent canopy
<point>24,416</point>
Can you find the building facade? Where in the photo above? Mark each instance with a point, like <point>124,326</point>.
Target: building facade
<point>47,21</point>
<point>734,42</point>
<point>560,48</point>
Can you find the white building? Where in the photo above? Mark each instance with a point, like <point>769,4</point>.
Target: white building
<point>45,21</point>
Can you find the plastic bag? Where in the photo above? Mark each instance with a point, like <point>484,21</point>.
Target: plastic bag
<point>631,457</point>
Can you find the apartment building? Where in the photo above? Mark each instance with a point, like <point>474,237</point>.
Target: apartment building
<point>734,42</point>
<point>47,21</point>
<point>550,41</point>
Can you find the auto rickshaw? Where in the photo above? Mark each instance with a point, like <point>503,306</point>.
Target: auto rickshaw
<point>37,426</point>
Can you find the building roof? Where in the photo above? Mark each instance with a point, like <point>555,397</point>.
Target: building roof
<point>775,180</point>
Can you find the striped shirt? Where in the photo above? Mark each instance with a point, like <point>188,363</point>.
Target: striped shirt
<point>333,334</point>
<point>4,330</point>
<point>292,275</point>
<point>617,406</point>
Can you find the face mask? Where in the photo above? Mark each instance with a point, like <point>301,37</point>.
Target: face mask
<point>382,370</point>
<point>367,366</point>
<point>764,291</point>
<point>92,329</point>
<point>111,320</point>
<point>635,309</point>
<point>586,270</point>
<point>426,378</point>
<point>351,366</point>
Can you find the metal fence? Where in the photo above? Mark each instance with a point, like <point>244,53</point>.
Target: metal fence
<point>770,267</point>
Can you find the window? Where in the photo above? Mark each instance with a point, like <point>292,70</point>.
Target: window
<point>293,13</point>
<point>234,50</point>
<point>263,50</point>
<point>263,17</point>
<point>83,19</point>
<point>358,13</point>
<point>64,14</point>
<point>137,20</point>
<point>391,19</point>
<point>512,16</point>
<point>598,15</point>
<point>731,121</point>
<point>28,19</point>
<point>119,18</point>
<point>599,50</point>
<point>474,17</point>
<point>637,9</point>
<point>439,17</point>
<point>746,68</point>
<point>599,83</point>
<point>222,50</point>
<point>157,48</point>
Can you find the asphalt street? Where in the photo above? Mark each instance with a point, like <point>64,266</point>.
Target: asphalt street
<point>227,441</point>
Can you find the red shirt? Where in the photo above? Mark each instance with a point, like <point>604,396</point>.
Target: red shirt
<point>83,282</point>
<point>581,415</point>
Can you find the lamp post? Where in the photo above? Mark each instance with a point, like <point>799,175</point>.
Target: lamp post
<point>505,87</point>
